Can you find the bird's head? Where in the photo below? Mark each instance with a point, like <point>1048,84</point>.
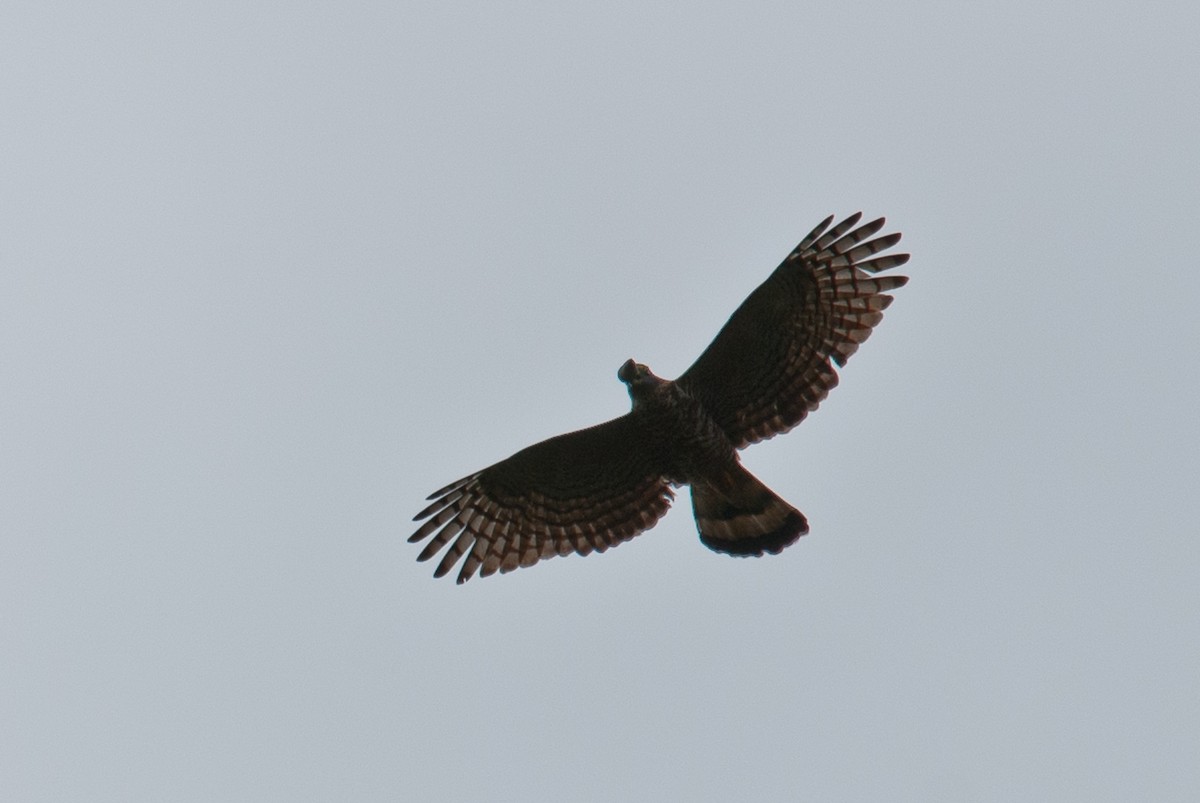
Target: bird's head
<point>639,378</point>
<point>630,371</point>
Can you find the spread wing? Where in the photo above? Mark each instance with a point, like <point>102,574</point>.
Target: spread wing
<point>579,492</point>
<point>770,365</point>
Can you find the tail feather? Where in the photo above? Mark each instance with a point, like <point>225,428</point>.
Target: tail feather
<point>738,515</point>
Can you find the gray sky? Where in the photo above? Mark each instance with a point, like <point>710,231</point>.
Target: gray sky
<point>271,275</point>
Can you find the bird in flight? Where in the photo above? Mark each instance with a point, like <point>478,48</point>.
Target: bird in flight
<point>769,366</point>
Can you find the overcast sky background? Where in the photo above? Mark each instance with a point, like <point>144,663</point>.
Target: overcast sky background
<point>271,274</point>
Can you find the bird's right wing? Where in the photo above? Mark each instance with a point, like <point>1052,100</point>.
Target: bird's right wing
<point>583,491</point>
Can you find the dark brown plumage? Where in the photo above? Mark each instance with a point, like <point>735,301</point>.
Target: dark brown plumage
<point>768,367</point>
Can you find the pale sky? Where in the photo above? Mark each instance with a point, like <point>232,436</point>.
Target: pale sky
<point>270,274</point>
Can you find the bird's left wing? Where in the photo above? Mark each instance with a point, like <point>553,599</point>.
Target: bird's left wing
<point>580,492</point>
<point>770,365</point>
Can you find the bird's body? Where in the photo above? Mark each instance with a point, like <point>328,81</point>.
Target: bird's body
<point>766,369</point>
<point>735,513</point>
<point>690,443</point>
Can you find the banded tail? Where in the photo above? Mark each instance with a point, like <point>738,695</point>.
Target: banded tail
<point>738,515</point>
